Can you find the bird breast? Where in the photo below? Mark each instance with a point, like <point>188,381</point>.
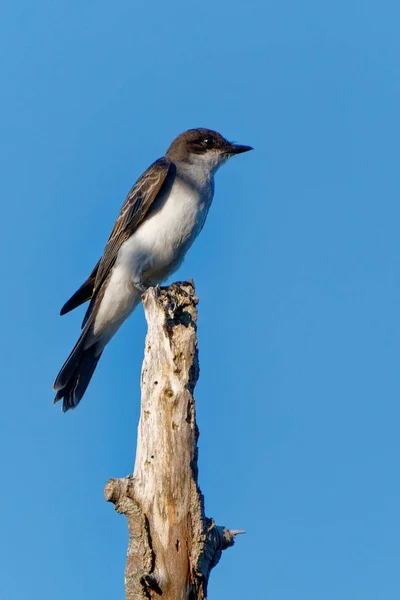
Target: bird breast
<point>161,241</point>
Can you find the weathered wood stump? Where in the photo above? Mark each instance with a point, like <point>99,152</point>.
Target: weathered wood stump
<point>172,544</point>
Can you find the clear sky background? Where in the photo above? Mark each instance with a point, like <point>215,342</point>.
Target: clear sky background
<point>299,396</point>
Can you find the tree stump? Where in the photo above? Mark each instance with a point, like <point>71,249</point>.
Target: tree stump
<point>172,544</point>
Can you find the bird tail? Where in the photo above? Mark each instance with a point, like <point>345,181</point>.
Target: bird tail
<point>76,373</point>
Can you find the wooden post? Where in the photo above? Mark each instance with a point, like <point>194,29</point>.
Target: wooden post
<point>172,545</point>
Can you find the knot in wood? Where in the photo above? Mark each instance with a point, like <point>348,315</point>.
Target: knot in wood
<point>113,490</point>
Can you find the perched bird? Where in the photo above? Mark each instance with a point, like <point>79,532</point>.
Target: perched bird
<point>161,217</point>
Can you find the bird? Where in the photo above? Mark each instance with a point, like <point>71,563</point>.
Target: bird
<point>161,217</point>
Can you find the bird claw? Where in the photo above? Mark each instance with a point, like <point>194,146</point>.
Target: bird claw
<point>139,286</point>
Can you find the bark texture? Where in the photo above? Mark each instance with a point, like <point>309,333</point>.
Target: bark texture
<point>172,544</point>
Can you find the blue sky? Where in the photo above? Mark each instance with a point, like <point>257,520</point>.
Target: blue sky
<point>299,395</point>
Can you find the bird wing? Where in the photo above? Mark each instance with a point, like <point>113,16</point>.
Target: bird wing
<point>83,294</point>
<point>132,213</point>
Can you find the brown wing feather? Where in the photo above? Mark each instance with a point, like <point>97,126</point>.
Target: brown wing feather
<point>134,209</point>
<point>82,295</point>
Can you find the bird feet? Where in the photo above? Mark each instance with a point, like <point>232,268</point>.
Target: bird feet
<point>140,286</point>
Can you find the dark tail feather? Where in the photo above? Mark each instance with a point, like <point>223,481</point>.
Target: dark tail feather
<point>75,375</point>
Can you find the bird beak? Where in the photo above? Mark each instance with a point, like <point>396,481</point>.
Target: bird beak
<point>237,149</point>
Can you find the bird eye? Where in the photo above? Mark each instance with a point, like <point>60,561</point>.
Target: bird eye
<point>207,142</point>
